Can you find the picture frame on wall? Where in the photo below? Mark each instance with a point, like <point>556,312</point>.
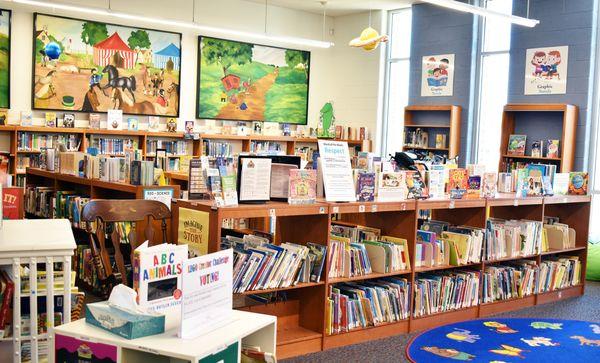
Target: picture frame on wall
<point>546,70</point>
<point>437,75</point>
<point>241,81</point>
<point>89,66</point>
<point>5,38</point>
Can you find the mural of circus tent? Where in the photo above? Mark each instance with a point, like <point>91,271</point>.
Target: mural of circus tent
<point>161,58</point>
<point>104,52</point>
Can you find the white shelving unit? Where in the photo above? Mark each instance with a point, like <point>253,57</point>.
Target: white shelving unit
<point>29,242</point>
<point>245,328</point>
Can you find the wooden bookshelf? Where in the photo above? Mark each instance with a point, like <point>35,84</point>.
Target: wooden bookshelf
<point>434,119</point>
<point>98,189</point>
<point>301,319</point>
<point>516,117</point>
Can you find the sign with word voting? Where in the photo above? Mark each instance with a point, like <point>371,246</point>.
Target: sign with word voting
<point>207,293</point>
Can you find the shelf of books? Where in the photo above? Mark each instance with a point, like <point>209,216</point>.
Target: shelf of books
<point>496,255</point>
<point>542,134</point>
<point>432,129</point>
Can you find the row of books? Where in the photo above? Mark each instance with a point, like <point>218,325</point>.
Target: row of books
<point>557,236</point>
<point>559,272</point>
<point>44,202</point>
<point>368,303</point>
<point>259,264</point>
<point>439,244</point>
<point>25,161</point>
<point>508,281</point>
<point>444,291</point>
<point>172,147</point>
<point>35,142</point>
<point>83,263</point>
<point>512,238</point>
<point>113,146</point>
<point>217,148</point>
<point>266,147</point>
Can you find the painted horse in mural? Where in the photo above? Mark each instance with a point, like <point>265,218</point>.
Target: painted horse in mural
<point>114,81</point>
<point>120,101</point>
<point>90,102</point>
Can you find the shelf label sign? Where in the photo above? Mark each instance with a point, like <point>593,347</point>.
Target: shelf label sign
<point>164,195</point>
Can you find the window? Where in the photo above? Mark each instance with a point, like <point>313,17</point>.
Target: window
<point>493,84</point>
<point>397,73</point>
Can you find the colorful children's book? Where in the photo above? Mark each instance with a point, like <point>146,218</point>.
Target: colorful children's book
<point>94,121</point>
<point>474,186</point>
<point>228,184</point>
<point>365,186</point>
<point>534,186</point>
<point>114,119</point>
<point>26,118</point>
<point>153,123</point>
<point>436,183</point>
<point>536,148</point>
<point>392,186</point>
<point>457,179</point>
<point>505,183</point>
<point>547,185</point>
<point>132,124</point>
<point>302,186</point>
<point>552,148</point>
<point>415,184</point>
<point>561,183</point>
<point>69,120</point>
<point>157,279</point>
<point>521,183</point>
<point>489,186</point>
<point>50,119</point>
<point>578,183</point>
<point>516,145</point>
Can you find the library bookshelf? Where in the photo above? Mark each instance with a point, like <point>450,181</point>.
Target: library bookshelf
<point>434,119</point>
<point>301,317</point>
<point>98,189</point>
<point>540,122</point>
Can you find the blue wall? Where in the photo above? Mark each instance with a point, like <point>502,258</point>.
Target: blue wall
<point>562,22</point>
<point>439,31</point>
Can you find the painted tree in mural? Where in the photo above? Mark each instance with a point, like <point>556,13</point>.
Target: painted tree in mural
<point>93,33</point>
<point>295,58</point>
<point>139,39</point>
<point>226,53</point>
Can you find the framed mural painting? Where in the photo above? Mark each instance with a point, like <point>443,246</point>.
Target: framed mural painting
<point>250,82</point>
<point>88,66</point>
<point>5,18</point>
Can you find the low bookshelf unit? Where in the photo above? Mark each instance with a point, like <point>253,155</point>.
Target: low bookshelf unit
<point>302,324</point>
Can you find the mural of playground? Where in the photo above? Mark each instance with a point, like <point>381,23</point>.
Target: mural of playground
<point>249,82</point>
<point>93,67</point>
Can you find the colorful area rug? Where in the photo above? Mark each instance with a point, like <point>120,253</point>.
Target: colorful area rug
<point>509,340</point>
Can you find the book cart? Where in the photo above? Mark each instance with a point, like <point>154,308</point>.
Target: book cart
<point>52,243</point>
<point>301,317</point>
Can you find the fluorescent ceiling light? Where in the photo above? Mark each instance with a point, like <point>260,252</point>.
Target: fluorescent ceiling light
<point>177,23</point>
<point>467,8</point>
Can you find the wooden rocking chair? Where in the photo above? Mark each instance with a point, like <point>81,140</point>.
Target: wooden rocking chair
<point>104,212</point>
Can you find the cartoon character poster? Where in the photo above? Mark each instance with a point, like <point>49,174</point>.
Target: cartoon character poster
<point>437,75</point>
<point>546,70</point>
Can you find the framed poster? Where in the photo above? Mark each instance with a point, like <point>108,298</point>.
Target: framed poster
<point>88,66</point>
<point>251,82</point>
<point>546,70</point>
<point>5,17</point>
<point>437,75</point>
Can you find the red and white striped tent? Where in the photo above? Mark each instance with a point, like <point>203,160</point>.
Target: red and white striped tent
<point>106,49</point>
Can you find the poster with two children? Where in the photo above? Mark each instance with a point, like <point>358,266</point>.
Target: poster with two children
<point>546,70</point>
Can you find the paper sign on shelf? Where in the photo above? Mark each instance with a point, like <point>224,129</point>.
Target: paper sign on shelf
<point>207,293</point>
<point>193,230</point>
<point>164,195</point>
<point>337,171</point>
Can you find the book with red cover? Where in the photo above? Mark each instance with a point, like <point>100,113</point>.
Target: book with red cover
<point>12,203</point>
<point>458,179</point>
<point>7,299</point>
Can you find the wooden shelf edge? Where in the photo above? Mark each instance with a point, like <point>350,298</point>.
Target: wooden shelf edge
<point>266,291</point>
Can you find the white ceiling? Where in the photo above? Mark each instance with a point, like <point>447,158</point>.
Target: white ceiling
<point>338,7</point>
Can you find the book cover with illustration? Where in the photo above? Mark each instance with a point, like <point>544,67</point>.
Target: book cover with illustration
<point>157,279</point>
<point>392,186</point>
<point>458,179</point>
<point>516,145</point>
<point>489,186</point>
<point>578,183</point>
<point>365,187</point>
<point>474,186</point>
<point>552,148</point>
<point>302,186</point>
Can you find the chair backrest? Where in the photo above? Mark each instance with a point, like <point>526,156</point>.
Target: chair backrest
<point>104,211</point>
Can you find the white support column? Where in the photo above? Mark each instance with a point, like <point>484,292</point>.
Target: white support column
<point>50,306</point>
<point>33,309</point>
<point>67,289</point>
<point>16,324</point>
